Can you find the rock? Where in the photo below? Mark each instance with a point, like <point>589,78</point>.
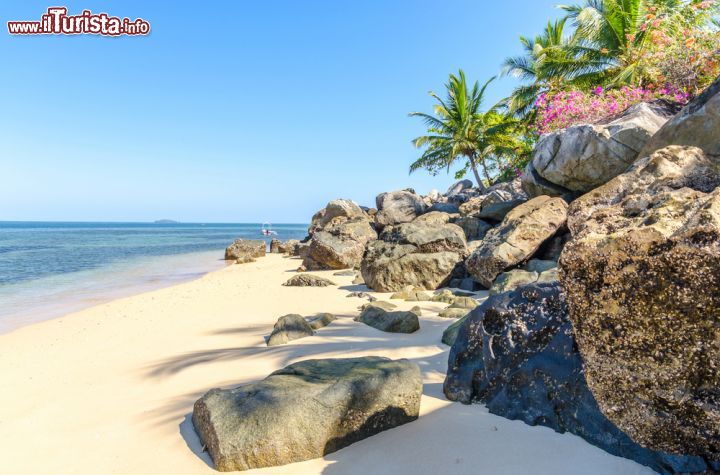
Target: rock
<point>464,302</point>
<point>306,410</point>
<point>516,354</point>
<point>642,274</point>
<point>508,281</point>
<point>549,276</point>
<point>320,320</point>
<point>474,228</point>
<point>416,310</point>
<point>383,304</point>
<point>447,208</point>
<point>391,322</point>
<point>275,246</point>
<point>445,295</point>
<point>362,295</point>
<point>540,265</point>
<point>302,249</point>
<point>473,245</point>
<point>696,125</point>
<point>411,295</point>
<point>417,254</point>
<point>521,233</point>
<point>434,196</point>
<point>450,334</point>
<point>288,328</point>
<point>308,280</point>
<point>458,187</point>
<point>390,267</point>
<point>245,260</point>
<point>454,312</point>
<point>288,247</point>
<point>583,157</point>
<point>497,204</point>
<point>338,236</point>
<point>468,283</point>
<point>242,248</point>
<point>398,207</point>
<point>345,273</point>
<point>552,248</point>
<point>358,280</point>
<point>346,210</point>
<point>535,185</point>
<point>427,237</point>
<point>339,245</point>
<point>433,217</point>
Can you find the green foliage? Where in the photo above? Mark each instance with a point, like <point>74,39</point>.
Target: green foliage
<point>615,43</point>
<point>460,129</point>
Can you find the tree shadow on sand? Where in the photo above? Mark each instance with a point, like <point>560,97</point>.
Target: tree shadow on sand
<point>341,337</point>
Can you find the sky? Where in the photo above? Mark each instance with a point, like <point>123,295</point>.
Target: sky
<point>237,111</point>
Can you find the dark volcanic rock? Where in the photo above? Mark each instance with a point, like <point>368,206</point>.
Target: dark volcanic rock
<point>391,322</point>
<point>306,410</point>
<point>516,353</point>
<point>642,278</point>
<point>308,280</point>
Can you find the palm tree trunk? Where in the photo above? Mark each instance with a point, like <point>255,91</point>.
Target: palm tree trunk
<point>485,171</point>
<point>473,165</point>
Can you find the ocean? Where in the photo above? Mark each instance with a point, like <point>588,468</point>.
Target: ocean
<point>50,269</point>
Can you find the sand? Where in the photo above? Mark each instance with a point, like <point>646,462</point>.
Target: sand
<point>110,389</point>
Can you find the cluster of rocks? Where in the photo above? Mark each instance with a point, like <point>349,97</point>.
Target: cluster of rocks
<point>623,349</point>
<point>603,268</point>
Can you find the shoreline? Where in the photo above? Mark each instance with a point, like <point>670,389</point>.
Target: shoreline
<point>125,374</point>
<point>77,291</point>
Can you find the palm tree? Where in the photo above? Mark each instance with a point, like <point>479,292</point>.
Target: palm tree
<point>460,129</point>
<point>610,39</point>
<point>540,58</point>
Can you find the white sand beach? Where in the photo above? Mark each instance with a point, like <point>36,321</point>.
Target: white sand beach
<point>110,389</point>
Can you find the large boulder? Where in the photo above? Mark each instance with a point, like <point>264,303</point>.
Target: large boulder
<point>389,321</point>
<point>420,254</point>
<point>389,267</point>
<point>697,124</point>
<point>245,249</point>
<point>339,233</point>
<point>398,207</point>
<point>642,274</point>
<point>584,157</point>
<point>517,238</point>
<point>288,328</point>
<point>427,237</point>
<point>341,208</point>
<point>516,354</point>
<point>306,410</point>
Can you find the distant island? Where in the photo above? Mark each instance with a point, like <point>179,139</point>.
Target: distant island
<point>166,221</point>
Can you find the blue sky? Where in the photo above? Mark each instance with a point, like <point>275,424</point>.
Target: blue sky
<point>235,111</point>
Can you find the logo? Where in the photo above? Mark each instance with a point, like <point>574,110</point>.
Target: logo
<point>57,22</point>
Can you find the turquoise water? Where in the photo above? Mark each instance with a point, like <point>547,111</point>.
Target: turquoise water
<point>50,269</point>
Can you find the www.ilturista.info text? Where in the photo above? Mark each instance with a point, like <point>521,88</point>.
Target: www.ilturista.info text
<point>57,22</point>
